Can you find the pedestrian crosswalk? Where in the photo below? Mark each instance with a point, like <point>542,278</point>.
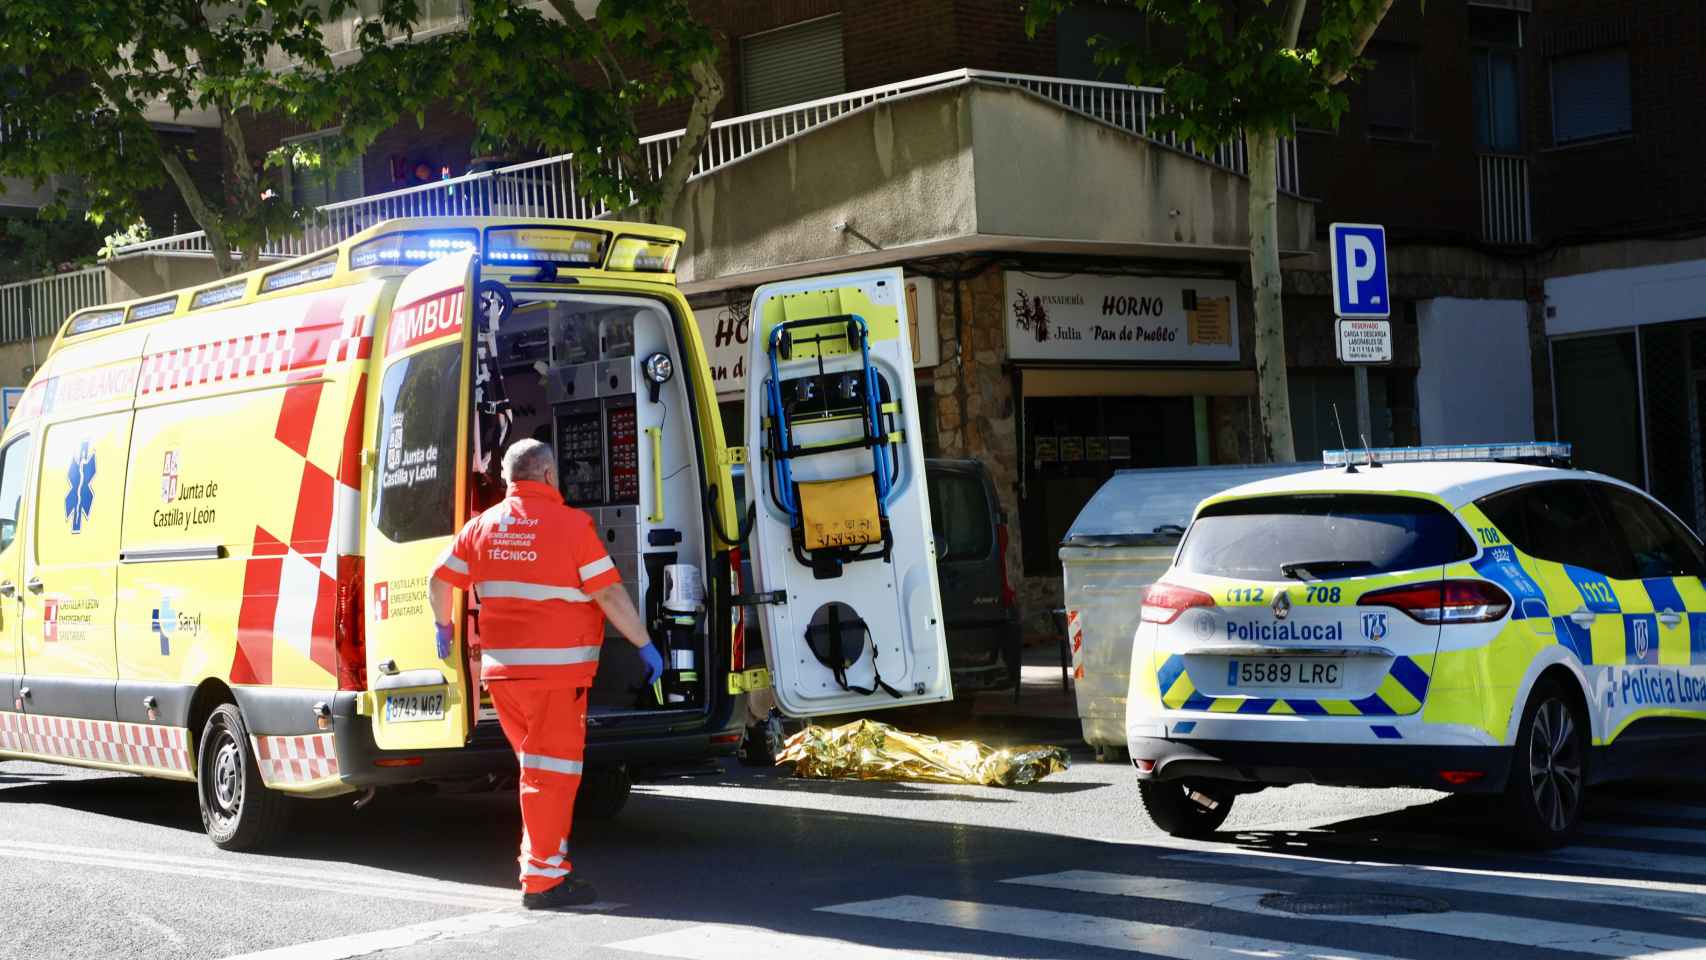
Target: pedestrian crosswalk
<point>1627,891</point>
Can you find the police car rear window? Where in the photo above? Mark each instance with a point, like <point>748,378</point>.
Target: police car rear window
<point>1322,537</point>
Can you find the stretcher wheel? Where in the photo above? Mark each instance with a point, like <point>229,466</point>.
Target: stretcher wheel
<point>603,792</point>
<point>237,809</point>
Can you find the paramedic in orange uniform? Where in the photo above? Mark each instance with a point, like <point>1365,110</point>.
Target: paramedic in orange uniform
<point>545,586</point>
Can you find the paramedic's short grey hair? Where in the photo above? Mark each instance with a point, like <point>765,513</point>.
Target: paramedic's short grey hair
<point>528,460</point>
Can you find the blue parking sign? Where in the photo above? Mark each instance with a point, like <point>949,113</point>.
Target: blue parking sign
<point>1359,270</point>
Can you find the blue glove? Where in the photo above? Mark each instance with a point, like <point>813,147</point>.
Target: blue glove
<point>446,634</point>
<point>654,662</point>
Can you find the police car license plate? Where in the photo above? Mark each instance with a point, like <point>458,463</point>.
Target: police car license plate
<point>1275,672</point>
<point>414,707</point>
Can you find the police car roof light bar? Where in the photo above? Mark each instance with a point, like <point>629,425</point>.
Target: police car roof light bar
<point>1548,453</point>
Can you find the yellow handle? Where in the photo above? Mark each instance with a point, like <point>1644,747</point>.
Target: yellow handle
<point>655,434</point>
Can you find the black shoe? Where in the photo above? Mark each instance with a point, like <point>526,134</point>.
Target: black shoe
<point>572,892</point>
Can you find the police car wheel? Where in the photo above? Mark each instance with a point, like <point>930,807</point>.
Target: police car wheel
<point>1545,794</point>
<point>603,792</point>
<point>237,809</point>
<point>1186,808</point>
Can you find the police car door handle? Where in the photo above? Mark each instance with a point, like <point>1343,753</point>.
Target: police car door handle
<point>1582,616</point>
<point>1670,618</point>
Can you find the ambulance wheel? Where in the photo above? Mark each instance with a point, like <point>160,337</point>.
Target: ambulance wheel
<point>1178,807</point>
<point>1545,794</point>
<point>237,809</point>
<point>604,792</point>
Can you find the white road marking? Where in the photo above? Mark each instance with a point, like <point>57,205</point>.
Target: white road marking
<point>145,920</point>
<point>1659,895</point>
<point>1631,831</point>
<point>1088,930</point>
<point>361,944</point>
<point>718,942</point>
<point>1673,811</point>
<point>243,870</point>
<point>1618,858</point>
<point>1498,928</point>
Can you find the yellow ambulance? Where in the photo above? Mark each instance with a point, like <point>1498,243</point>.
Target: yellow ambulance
<point>219,508</point>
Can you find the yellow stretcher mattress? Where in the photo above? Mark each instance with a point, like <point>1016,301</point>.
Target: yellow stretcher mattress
<point>840,513</point>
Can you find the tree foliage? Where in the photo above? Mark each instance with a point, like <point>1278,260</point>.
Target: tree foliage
<point>1239,65</point>
<point>553,81</point>
<point>87,84</point>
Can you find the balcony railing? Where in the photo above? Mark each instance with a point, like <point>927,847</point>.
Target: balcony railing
<point>549,189</point>
<point>1506,217</point>
<point>36,308</point>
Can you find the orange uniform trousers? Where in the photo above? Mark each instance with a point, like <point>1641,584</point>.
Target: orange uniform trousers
<point>546,726</point>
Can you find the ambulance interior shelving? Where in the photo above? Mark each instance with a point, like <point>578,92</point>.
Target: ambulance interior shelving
<point>593,375</point>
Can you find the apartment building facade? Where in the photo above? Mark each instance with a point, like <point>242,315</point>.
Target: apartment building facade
<point>1081,283</point>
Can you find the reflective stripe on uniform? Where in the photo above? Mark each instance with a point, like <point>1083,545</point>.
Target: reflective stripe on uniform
<point>538,656</point>
<point>521,590</point>
<point>596,567</point>
<point>452,562</point>
<point>536,761</point>
<point>529,870</point>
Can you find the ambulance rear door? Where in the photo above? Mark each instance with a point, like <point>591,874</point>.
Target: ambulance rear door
<point>842,544</point>
<point>416,498</point>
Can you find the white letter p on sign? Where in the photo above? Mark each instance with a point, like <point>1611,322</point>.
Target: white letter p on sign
<point>1359,265</point>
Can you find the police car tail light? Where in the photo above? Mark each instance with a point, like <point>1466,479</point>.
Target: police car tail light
<point>1165,601</point>
<point>1448,601</point>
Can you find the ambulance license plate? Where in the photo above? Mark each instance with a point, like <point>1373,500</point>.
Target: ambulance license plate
<point>1274,672</point>
<point>414,707</point>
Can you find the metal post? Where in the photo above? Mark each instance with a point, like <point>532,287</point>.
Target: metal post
<point>1365,425</point>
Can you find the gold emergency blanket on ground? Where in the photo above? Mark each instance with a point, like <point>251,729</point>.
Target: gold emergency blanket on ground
<point>867,750</point>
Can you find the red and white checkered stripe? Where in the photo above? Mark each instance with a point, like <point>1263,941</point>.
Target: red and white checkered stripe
<point>235,358</point>
<point>296,760</point>
<point>132,744</point>
<point>354,340</point>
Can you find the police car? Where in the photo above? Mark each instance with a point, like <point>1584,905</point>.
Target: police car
<point>1469,619</point>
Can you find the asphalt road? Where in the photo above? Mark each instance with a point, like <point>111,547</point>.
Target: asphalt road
<point>754,863</point>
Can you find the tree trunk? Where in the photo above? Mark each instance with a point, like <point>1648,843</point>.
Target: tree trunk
<point>201,211</point>
<point>1272,393</point>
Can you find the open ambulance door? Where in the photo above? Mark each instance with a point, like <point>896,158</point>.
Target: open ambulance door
<point>416,499</point>
<point>842,544</point>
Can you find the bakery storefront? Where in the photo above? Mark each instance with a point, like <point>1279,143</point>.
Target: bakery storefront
<point>1113,372</point>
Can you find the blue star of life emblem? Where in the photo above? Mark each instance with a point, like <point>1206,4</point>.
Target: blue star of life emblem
<point>165,622</point>
<point>80,498</point>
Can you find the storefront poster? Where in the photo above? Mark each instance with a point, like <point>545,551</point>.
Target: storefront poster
<point>1119,448</point>
<point>1048,450</point>
<point>1096,318</point>
<point>1095,448</point>
<point>1071,449</point>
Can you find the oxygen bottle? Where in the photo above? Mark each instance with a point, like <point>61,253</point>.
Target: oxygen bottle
<point>683,602</point>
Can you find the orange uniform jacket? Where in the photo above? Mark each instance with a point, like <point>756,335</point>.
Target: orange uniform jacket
<point>534,562</point>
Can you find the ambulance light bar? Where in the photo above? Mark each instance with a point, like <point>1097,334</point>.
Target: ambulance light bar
<point>412,248</point>
<point>1531,452</point>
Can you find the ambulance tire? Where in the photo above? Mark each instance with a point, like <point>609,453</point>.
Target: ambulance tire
<point>1173,809</point>
<point>237,809</point>
<point>603,793</point>
<point>1547,789</point>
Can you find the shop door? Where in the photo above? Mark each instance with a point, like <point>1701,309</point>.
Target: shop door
<point>1074,444</point>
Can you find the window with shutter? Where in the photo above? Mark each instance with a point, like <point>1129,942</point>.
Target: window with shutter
<point>1392,93</point>
<point>317,186</point>
<point>792,64</point>
<point>1590,95</point>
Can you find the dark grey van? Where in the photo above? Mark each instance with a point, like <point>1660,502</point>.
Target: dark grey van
<point>978,603</point>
